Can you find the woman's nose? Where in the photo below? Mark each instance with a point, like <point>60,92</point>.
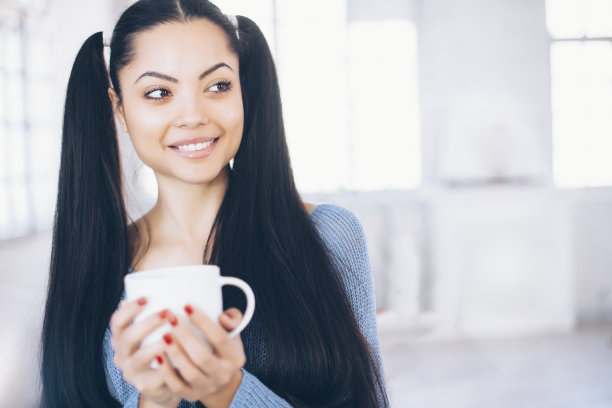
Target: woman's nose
<point>191,113</point>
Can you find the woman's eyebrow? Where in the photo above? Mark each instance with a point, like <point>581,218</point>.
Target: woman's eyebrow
<point>171,79</point>
<point>157,75</point>
<point>213,68</point>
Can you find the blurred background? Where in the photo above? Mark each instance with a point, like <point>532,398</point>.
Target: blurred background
<point>473,139</point>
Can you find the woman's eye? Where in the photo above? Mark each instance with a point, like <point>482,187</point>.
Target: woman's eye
<point>221,87</point>
<point>157,93</point>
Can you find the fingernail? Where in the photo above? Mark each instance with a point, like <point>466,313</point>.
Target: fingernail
<point>163,314</point>
<point>142,301</point>
<point>159,359</point>
<point>168,339</point>
<point>228,314</point>
<point>188,309</point>
<point>172,320</point>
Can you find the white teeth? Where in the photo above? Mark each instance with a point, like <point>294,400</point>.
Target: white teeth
<point>195,147</point>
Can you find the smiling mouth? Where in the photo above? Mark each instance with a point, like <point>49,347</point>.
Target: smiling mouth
<point>194,147</point>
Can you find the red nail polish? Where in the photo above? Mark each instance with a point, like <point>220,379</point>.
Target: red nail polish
<point>159,359</point>
<point>228,314</point>
<point>163,314</point>
<point>188,309</point>
<point>142,301</point>
<point>168,339</point>
<point>173,321</point>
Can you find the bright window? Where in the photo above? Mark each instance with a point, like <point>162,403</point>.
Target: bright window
<point>29,131</point>
<point>384,142</point>
<point>15,202</point>
<point>581,70</point>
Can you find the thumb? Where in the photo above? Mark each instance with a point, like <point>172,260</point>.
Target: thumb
<point>230,319</point>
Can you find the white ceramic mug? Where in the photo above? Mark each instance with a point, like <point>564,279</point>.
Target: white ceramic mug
<point>174,287</point>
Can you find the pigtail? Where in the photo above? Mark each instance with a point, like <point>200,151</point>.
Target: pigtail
<point>90,245</point>
<point>264,125</point>
<point>317,355</point>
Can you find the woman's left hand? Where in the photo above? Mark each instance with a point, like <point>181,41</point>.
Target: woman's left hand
<point>212,374</point>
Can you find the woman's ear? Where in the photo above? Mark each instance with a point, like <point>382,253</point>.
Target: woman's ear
<point>117,108</point>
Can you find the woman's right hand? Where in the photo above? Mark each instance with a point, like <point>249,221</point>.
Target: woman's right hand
<point>134,361</point>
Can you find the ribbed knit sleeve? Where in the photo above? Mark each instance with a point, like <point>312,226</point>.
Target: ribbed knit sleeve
<point>253,393</point>
<point>345,240</point>
<point>123,391</point>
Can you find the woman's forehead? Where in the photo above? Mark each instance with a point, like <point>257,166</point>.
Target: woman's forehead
<point>173,45</point>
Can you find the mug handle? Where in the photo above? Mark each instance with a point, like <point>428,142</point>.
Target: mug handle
<point>250,304</point>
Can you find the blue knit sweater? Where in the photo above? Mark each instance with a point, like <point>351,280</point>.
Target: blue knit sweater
<point>344,238</point>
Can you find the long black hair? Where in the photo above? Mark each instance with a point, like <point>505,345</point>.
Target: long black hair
<point>317,354</point>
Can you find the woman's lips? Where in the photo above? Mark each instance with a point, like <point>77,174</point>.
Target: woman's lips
<point>194,148</point>
<point>194,141</point>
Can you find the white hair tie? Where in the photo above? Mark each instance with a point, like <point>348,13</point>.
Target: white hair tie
<point>232,19</point>
<point>106,38</point>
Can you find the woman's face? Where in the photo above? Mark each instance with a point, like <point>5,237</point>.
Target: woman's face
<point>181,101</point>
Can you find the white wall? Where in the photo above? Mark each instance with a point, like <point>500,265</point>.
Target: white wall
<point>486,128</point>
<point>485,91</point>
<point>591,218</point>
<point>502,262</point>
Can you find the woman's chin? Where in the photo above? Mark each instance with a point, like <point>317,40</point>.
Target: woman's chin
<point>197,177</point>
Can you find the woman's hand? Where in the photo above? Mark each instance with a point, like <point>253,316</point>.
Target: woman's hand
<point>135,362</point>
<point>210,374</point>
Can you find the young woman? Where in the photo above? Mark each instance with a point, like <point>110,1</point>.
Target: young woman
<point>198,94</point>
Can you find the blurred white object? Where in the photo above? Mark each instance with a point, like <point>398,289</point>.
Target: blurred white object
<point>502,262</point>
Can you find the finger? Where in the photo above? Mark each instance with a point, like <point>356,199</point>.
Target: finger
<point>170,376</point>
<point>189,371</point>
<point>127,311</point>
<point>216,335</point>
<point>145,356</point>
<point>134,335</point>
<point>230,319</point>
<point>151,383</point>
<point>138,370</point>
<point>196,349</point>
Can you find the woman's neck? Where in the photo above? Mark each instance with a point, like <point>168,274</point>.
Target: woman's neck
<point>185,213</point>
